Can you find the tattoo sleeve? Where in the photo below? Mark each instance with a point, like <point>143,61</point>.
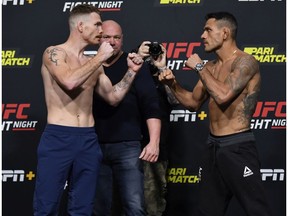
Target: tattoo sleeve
<point>247,68</point>
<point>125,83</point>
<point>250,102</point>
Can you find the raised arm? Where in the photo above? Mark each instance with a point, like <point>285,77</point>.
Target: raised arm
<point>243,68</point>
<point>56,60</point>
<point>114,94</point>
<point>191,100</point>
<point>160,65</point>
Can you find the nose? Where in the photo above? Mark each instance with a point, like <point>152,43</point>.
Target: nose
<point>111,40</point>
<point>203,36</point>
<point>100,29</point>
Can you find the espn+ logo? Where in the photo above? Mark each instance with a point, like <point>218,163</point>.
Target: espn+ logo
<point>186,116</point>
<point>17,2</point>
<point>17,175</point>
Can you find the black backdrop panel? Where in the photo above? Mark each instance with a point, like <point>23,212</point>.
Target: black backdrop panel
<point>28,27</point>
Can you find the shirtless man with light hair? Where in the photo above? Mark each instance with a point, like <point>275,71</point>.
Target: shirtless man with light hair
<point>231,83</point>
<point>69,146</point>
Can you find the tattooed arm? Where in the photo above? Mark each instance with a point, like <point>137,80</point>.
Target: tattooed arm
<point>56,60</point>
<point>114,94</point>
<point>243,69</point>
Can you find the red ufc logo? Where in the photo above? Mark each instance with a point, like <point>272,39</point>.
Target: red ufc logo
<point>175,49</point>
<point>14,109</point>
<point>277,108</point>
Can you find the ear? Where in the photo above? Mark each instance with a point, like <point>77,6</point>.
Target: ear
<point>226,33</point>
<point>80,26</point>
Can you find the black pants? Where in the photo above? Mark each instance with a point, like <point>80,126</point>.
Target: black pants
<point>231,168</point>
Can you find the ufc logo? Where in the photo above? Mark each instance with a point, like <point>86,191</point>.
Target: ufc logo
<point>175,49</point>
<point>16,110</point>
<point>277,108</point>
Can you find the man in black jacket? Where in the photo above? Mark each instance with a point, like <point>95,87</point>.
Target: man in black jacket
<point>120,135</point>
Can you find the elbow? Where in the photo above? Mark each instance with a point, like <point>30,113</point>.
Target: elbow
<point>113,102</point>
<point>70,86</point>
<point>192,106</point>
<point>66,84</point>
<point>222,101</point>
<point>224,98</point>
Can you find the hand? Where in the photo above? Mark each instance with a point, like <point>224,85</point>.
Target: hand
<point>134,62</point>
<point>150,153</point>
<point>143,50</point>
<point>167,77</point>
<point>105,51</point>
<point>160,62</point>
<point>193,60</point>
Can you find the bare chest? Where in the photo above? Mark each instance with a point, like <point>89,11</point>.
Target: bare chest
<point>76,62</point>
<point>221,71</point>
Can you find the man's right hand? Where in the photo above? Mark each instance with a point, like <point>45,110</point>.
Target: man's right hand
<point>143,50</point>
<point>105,51</point>
<point>167,77</point>
<point>193,60</point>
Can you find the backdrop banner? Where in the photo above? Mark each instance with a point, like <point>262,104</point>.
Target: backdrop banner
<point>30,26</point>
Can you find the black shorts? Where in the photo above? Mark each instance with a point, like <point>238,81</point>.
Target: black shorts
<point>231,167</point>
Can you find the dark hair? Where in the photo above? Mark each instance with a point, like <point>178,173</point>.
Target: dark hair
<point>84,9</point>
<point>228,20</point>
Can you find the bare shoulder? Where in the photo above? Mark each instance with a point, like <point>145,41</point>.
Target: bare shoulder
<point>53,54</point>
<point>210,65</point>
<point>245,63</point>
<point>246,57</point>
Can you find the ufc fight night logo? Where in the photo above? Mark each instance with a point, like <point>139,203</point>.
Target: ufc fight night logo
<point>15,117</point>
<point>178,52</point>
<point>269,115</point>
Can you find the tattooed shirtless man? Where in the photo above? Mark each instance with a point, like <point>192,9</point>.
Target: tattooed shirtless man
<point>69,146</point>
<point>231,83</point>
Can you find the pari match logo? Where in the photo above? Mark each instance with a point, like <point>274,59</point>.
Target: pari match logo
<point>101,5</point>
<point>15,117</point>
<point>266,54</point>
<point>181,176</point>
<point>12,59</point>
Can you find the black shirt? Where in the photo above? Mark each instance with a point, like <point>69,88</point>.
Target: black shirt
<point>123,123</point>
